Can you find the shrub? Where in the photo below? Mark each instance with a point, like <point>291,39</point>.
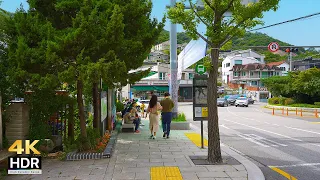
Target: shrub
<point>181,118</point>
<point>274,100</point>
<point>282,100</point>
<point>119,106</point>
<point>317,103</point>
<point>288,101</point>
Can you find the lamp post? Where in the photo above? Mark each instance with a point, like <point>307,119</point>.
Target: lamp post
<point>174,84</point>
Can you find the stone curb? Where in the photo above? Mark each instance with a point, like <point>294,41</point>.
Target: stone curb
<point>73,156</point>
<point>254,172</point>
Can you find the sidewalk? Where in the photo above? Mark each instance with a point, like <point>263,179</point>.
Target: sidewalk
<point>137,157</point>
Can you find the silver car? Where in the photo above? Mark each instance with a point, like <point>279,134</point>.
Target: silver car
<point>222,102</point>
<point>242,101</point>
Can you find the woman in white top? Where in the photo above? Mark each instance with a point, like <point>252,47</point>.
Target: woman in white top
<point>153,109</point>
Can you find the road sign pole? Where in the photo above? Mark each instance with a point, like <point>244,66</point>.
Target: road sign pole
<point>202,134</point>
<point>290,60</point>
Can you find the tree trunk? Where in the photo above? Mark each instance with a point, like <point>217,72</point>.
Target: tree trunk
<point>214,151</point>
<point>95,102</point>
<point>1,133</point>
<point>81,114</point>
<point>71,121</point>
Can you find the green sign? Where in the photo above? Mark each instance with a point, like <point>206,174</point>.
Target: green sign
<point>200,69</point>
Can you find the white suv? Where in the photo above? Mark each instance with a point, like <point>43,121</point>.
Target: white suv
<point>241,101</point>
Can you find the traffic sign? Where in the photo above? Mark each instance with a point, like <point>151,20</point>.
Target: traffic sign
<point>273,47</point>
<point>200,69</point>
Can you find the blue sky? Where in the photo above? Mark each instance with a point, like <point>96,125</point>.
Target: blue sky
<point>303,32</point>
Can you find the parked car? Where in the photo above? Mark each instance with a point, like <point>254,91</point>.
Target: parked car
<point>251,101</point>
<point>242,101</point>
<point>146,104</point>
<point>222,102</point>
<point>231,100</point>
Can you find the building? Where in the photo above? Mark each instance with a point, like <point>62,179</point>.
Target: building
<point>248,79</point>
<point>239,59</point>
<point>157,56</point>
<point>162,46</point>
<point>158,82</point>
<point>305,64</point>
<point>283,65</point>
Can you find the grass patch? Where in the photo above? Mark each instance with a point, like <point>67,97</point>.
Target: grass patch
<point>181,118</point>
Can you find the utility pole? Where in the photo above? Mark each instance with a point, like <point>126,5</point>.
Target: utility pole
<point>290,60</point>
<point>173,86</point>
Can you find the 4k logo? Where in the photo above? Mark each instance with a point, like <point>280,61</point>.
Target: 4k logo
<point>18,147</point>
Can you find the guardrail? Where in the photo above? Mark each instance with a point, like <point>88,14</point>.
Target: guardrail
<point>295,111</point>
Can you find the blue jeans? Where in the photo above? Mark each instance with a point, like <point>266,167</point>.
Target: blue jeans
<point>136,122</point>
<point>166,122</point>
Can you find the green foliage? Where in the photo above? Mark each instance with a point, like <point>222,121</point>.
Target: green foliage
<point>180,118</point>
<point>302,86</point>
<point>274,100</point>
<point>270,57</point>
<point>288,101</point>
<point>119,106</point>
<point>317,103</point>
<point>182,37</point>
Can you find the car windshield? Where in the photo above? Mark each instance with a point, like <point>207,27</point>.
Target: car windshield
<point>242,98</point>
<point>220,99</point>
<point>232,97</point>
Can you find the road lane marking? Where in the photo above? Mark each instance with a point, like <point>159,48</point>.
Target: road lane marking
<point>265,130</point>
<point>283,173</point>
<point>165,173</point>
<point>298,165</point>
<point>315,122</point>
<point>222,125</point>
<point>260,140</point>
<point>276,124</point>
<point>302,130</point>
<point>252,140</point>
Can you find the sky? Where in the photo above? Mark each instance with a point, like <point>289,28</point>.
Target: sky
<point>299,33</point>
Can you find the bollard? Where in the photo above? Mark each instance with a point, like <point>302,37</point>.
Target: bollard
<point>316,113</point>
<point>296,111</point>
<point>287,112</point>
<point>272,111</point>
<point>282,111</point>
<point>301,112</point>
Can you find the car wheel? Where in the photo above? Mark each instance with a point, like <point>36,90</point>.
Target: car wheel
<point>247,105</point>
<point>236,105</point>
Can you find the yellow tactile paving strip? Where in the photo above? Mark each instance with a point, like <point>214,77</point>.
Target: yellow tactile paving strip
<point>165,173</point>
<point>196,139</point>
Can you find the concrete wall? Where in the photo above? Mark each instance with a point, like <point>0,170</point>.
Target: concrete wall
<point>18,125</point>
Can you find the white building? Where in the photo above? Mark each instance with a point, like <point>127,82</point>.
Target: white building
<point>283,65</point>
<point>238,58</point>
<point>162,46</point>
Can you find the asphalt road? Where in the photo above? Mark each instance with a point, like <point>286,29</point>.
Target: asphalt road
<point>290,144</point>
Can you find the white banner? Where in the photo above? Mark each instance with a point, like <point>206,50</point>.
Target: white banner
<point>192,53</point>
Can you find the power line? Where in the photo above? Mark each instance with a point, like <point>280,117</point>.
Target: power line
<point>292,20</point>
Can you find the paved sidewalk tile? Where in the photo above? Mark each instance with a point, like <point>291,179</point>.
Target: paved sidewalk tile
<point>135,156</point>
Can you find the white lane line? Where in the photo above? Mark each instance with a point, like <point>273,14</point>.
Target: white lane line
<point>222,125</point>
<point>302,130</point>
<point>257,110</point>
<point>299,165</point>
<point>266,123</point>
<point>265,131</point>
<point>267,141</point>
<point>252,140</point>
<point>276,124</point>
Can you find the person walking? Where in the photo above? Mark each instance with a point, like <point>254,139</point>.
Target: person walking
<point>167,106</point>
<point>153,109</point>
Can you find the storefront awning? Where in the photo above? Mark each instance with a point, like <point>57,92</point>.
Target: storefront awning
<point>150,88</point>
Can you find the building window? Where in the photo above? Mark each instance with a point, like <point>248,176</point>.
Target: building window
<point>278,73</point>
<point>190,76</point>
<point>283,68</point>
<point>228,65</point>
<point>162,75</point>
<point>251,73</point>
<point>243,74</point>
<point>238,62</point>
<point>254,83</point>
<point>236,74</point>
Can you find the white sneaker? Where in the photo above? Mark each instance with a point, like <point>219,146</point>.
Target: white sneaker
<point>141,124</point>
<point>153,137</point>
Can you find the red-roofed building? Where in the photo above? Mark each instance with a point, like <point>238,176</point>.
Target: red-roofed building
<point>283,65</point>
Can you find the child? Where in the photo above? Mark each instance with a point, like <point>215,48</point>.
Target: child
<point>142,109</point>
